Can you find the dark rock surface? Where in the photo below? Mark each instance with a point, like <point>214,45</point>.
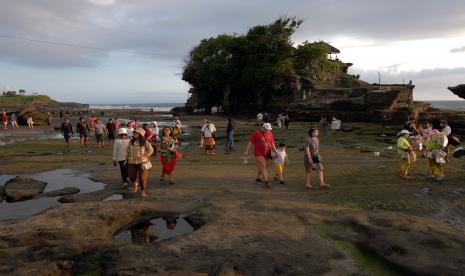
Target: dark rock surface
<point>22,188</point>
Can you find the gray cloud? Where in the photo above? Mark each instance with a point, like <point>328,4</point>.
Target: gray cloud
<point>168,29</point>
<point>458,50</point>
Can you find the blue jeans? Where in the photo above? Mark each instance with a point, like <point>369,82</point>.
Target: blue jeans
<point>229,140</point>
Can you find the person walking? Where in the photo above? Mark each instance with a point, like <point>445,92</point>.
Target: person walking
<point>99,133</point>
<point>168,155</point>
<point>404,149</point>
<point>312,159</point>
<point>264,148</point>
<point>110,129</point>
<point>323,125</point>
<point>209,142</point>
<point>83,129</point>
<point>260,119</point>
<point>280,161</point>
<point>48,118</point>
<point>4,120</point>
<point>229,135</point>
<point>67,130</point>
<point>204,123</point>
<point>177,127</point>
<point>138,161</point>
<point>30,122</point>
<point>148,132</point>
<point>155,133</point>
<point>14,121</point>
<point>287,122</point>
<point>120,148</point>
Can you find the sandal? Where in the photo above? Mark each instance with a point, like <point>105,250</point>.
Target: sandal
<point>309,187</point>
<point>326,186</point>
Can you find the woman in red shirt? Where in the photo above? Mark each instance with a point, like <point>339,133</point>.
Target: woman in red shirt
<point>4,120</point>
<point>264,148</point>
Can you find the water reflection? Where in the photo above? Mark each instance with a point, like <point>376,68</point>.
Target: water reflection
<point>154,230</point>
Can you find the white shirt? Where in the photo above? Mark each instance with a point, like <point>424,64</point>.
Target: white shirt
<point>208,130</point>
<point>260,116</point>
<point>447,130</point>
<point>130,132</point>
<point>120,148</point>
<point>177,123</point>
<point>336,124</point>
<point>281,156</point>
<point>155,131</point>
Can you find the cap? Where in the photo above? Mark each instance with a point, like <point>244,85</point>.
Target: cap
<point>404,131</point>
<point>267,126</point>
<point>122,131</point>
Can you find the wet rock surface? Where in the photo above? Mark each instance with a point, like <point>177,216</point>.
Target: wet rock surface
<point>411,245</point>
<point>22,188</point>
<point>62,192</point>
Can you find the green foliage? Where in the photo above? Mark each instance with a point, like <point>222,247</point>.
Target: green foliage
<point>254,67</point>
<point>348,81</point>
<point>22,100</point>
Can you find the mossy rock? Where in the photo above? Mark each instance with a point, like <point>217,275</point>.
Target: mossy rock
<point>23,188</point>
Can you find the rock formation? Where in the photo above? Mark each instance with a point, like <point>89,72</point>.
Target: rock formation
<point>458,90</point>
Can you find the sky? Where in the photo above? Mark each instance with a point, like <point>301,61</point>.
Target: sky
<point>133,51</point>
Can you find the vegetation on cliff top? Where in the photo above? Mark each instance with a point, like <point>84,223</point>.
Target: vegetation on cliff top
<point>24,100</point>
<point>252,69</point>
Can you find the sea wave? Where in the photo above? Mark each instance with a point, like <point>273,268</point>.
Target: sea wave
<point>141,107</point>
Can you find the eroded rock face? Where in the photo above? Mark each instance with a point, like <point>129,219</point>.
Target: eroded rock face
<point>22,188</point>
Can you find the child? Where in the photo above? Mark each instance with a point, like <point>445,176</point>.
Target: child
<point>404,149</point>
<point>279,161</point>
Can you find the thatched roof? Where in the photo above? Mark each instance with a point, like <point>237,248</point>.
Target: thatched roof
<point>332,49</point>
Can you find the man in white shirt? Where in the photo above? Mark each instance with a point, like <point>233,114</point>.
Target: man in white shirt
<point>208,131</point>
<point>445,127</point>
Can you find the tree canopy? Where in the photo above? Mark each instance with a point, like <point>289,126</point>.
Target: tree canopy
<point>250,70</point>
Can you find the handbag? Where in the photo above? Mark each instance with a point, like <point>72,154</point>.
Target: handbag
<point>147,166</point>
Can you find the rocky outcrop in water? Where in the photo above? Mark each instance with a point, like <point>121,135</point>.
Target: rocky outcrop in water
<point>22,188</point>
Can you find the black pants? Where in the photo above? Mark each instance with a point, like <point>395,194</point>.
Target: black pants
<point>124,171</point>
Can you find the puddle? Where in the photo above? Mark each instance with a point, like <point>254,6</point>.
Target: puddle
<point>154,230</point>
<point>114,197</point>
<point>24,209</point>
<point>56,180</point>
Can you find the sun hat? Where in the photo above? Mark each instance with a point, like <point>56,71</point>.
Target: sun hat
<point>267,126</point>
<point>122,131</point>
<point>141,131</point>
<point>404,131</point>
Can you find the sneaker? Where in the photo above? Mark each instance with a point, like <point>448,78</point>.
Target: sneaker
<point>124,185</point>
<point>258,181</point>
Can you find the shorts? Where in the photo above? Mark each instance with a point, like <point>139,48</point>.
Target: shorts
<point>82,135</point>
<point>279,168</point>
<point>111,136</point>
<point>99,137</point>
<point>314,166</point>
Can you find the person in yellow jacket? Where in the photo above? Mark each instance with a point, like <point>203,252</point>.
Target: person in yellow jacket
<point>404,149</point>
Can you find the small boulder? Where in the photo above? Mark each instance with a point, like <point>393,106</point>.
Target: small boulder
<point>22,188</point>
<point>63,192</point>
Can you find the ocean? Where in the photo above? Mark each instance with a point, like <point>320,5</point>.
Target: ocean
<point>157,107</point>
<point>450,105</point>
<point>166,107</point>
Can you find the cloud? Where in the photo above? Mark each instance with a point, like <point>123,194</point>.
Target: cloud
<point>168,29</point>
<point>102,2</point>
<point>458,50</point>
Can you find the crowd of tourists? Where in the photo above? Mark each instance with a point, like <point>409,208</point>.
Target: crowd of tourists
<point>428,141</point>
